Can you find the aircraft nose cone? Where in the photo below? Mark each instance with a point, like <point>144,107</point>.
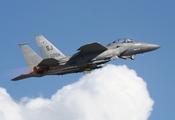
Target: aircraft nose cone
<point>153,46</point>
<point>147,47</point>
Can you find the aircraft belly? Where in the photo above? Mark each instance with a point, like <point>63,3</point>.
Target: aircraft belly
<point>63,70</point>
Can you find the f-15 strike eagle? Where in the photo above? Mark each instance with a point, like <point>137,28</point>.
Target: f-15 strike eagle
<point>88,57</point>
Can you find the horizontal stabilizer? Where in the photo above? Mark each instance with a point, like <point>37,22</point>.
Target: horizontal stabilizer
<point>23,76</point>
<point>92,48</point>
<point>48,62</point>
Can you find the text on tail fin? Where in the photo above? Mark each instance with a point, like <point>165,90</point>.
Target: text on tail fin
<point>47,49</point>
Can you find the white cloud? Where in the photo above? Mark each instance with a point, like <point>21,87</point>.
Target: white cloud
<point>110,93</point>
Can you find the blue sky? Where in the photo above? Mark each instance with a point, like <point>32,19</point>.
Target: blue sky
<point>71,24</point>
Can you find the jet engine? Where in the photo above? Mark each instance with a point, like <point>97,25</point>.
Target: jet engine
<point>38,70</point>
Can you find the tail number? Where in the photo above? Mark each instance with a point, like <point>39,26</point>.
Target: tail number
<point>49,48</point>
<point>54,55</point>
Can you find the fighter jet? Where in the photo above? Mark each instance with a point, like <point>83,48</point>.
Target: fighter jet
<point>89,57</point>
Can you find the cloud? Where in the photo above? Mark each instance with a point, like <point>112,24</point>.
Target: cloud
<point>110,93</point>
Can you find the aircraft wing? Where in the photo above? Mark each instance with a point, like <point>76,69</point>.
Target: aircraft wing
<point>92,48</point>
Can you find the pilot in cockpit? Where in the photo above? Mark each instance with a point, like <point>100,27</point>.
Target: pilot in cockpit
<point>128,41</point>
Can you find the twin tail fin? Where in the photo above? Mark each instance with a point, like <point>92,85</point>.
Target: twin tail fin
<point>47,49</point>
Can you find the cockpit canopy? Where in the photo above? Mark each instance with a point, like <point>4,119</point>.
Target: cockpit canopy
<point>117,43</point>
<point>124,40</point>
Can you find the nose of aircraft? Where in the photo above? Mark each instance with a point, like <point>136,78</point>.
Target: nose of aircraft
<point>146,47</point>
<point>153,46</point>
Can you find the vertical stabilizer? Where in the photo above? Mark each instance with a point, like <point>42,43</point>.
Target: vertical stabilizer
<point>30,56</point>
<point>47,49</point>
